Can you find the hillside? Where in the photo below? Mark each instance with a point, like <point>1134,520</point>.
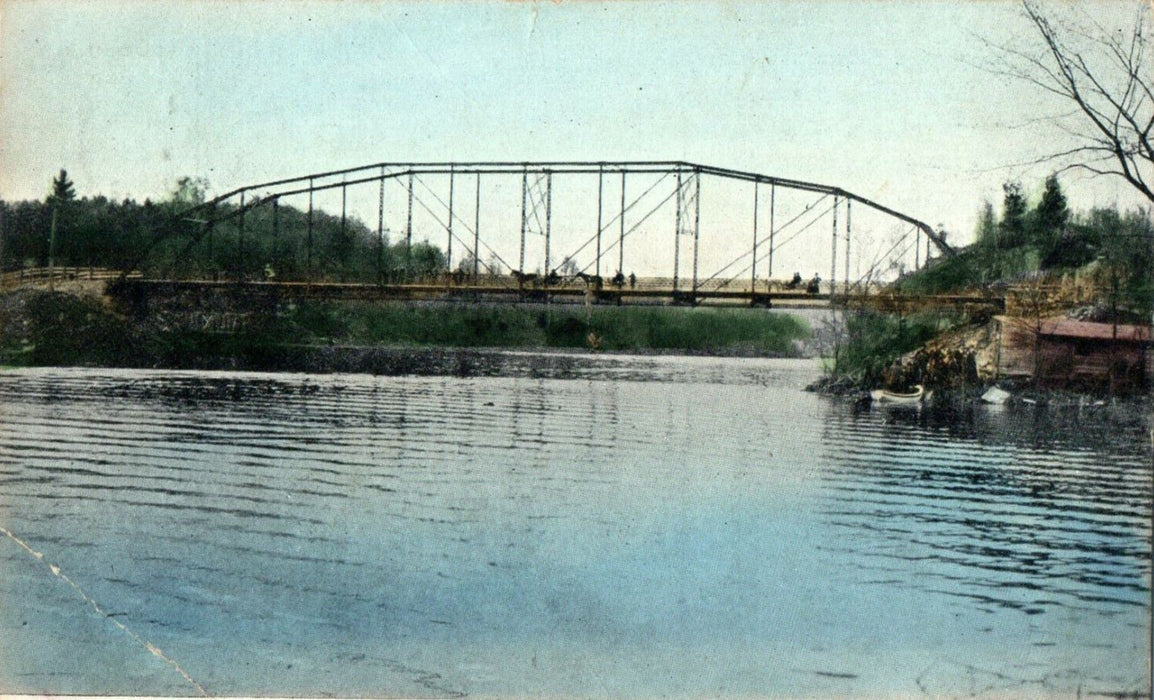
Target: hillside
<point>1097,267</point>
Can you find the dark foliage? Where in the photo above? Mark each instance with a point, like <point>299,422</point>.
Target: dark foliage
<point>267,240</point>
<point>872,341</point>
<point>1116,248</point>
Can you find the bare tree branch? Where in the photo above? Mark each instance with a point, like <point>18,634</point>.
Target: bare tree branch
<point>1103,75</point>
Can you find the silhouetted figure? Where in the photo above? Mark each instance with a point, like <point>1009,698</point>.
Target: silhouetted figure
<point>814,285</point>
<point>632,281</point>
<point>794,283</point>
<point>619,280</point>
<point>588,279</point>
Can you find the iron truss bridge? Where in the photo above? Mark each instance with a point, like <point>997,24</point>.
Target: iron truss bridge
<point>632,232</point>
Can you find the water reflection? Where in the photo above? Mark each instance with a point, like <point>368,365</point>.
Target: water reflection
<point>561,525</point>
<point>1002,510</point>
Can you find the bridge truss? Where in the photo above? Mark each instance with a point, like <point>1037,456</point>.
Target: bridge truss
<point>472,212</point>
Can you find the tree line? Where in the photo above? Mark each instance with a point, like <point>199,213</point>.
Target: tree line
<point>1116,247</point>
<point>157,238</point>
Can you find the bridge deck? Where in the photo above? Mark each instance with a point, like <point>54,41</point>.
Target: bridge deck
<point>559,294</point>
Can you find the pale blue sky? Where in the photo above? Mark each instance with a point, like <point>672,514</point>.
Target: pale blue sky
<point>882,99</point>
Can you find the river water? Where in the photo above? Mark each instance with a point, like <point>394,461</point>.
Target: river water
<point>608,527</point>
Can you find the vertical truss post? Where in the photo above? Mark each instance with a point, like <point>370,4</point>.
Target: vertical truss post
<point>477,233</point>
<point>381,230</point>
<point>449,247</point>
<point>753,272</point>
<point>677,236</point>
<point>833,254</point>
<point>848,230</point>
<point>211,258</point>
<point>917,248</point>
<point>548,217</point>
<point>344,226</point>
<point>240,243</point>
<point>309,239</point>
<point>409,233</point>
<point>211,228</point>
<point>52,247</point>
<point>696,228</point>
<point>600,191</point>
<point>621,240</point>
<point>772,206</point>
<point>524,223</point>
<point>275,230</point>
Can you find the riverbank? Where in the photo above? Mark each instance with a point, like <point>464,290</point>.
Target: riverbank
<point>45,328</point>
<point>959,365</point>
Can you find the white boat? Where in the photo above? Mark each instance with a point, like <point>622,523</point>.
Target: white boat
<point>995,396</point>
<point>913,398</point>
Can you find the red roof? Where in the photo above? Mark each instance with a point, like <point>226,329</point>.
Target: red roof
<point>1070,328</point>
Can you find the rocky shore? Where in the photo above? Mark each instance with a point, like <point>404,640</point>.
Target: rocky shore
<point>960,368</point>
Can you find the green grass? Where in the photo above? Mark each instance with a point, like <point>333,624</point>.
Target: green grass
<point>971,268</point>
<point>872,341</point>
<point>62,330</point>
<point>617,328</point>
<point>699,330</point>
<point>55,328</point>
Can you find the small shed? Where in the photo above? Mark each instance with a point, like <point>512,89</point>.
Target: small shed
<point>1015,347</point>
<point>1068,354</point>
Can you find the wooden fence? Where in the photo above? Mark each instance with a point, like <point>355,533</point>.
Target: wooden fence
<point>37,276</point>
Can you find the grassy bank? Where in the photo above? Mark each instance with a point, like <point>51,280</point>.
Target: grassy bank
<point>863,348</point>
<point>634,329</point>
<point>45,328</point>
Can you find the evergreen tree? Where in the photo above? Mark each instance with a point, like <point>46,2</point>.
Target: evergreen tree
<point>1051,214</point>
<point>63,191</point>
<point>1013,224</point>
<point>987,229</point>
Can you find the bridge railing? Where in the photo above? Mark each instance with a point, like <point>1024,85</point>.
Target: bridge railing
<point>35,276</point>
<point>532,282</point>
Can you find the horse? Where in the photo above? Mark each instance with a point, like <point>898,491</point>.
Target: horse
<point>524,277</point>
<point>590,280</point>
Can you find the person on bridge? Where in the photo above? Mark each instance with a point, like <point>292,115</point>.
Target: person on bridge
<point>814,285</point>
<point>795,282</point>
<point>632,281</point>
